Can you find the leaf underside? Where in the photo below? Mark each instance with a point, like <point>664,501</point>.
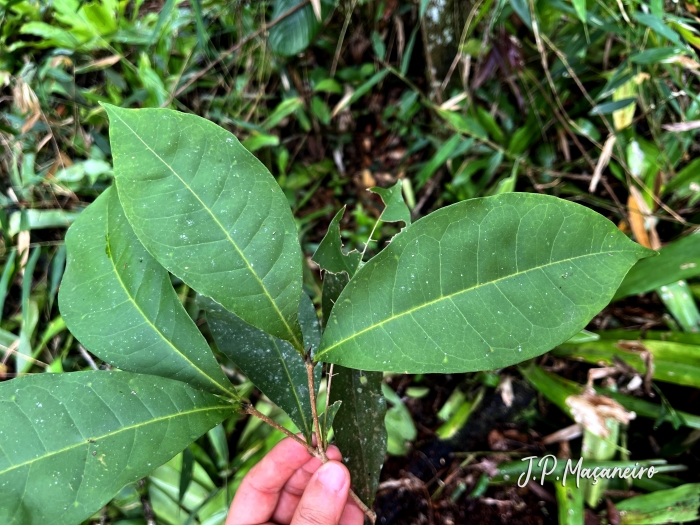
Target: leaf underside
<point>70,442</point>
<point>210,213</point>
<point>120,304</point>
<point>479,285</point>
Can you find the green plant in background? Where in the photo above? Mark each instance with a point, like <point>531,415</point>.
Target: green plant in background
<point>474,286</point>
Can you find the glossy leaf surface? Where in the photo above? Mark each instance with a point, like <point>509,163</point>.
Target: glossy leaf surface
<point>479,285</point>
<point>270,363</point>
<point>119,302</point>
<point>211,213</point>
<point>70,442</point>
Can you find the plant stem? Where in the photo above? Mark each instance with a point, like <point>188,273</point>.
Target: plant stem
<point>248,408</point>
<point>314,411</point>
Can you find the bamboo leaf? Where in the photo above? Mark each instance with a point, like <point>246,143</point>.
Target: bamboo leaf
<point>211,213</point>
<point>119,303</point>
<point>479,285</point>
<point>70,442</point>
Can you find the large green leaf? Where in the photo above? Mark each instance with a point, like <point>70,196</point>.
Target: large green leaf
<point>481,284</point>
<point>70,442</point>
<point>270,363</point>
<point>358,425</point>
<point>211,213</point>
<point>119,302</point>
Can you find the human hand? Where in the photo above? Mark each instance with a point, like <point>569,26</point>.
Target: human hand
<point>289,486</point>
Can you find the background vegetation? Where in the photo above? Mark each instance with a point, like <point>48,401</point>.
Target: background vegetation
<point>594,101</point>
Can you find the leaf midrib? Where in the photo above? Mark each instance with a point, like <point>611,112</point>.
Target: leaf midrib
<point>450,296</point>
<point>108,434</point>
<point>228,236</point>
<point>306,428</point>
<point>155,328</point>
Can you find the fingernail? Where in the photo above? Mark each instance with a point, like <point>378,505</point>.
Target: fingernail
<point>332,476</point>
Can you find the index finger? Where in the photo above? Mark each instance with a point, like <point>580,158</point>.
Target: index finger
<point>259,492</point>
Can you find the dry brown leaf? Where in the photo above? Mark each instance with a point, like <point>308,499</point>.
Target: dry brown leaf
<point>638,210</point>
<point>591,410</point>
<point>23,239</point>
<point>682,126</point>
<point>603,161</point>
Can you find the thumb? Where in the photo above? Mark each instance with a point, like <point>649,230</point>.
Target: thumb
<point>324,499</point>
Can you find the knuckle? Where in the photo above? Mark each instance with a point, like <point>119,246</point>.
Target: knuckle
<point>313,516</point>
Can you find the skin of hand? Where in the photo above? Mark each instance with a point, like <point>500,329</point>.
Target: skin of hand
<point>289,486</point>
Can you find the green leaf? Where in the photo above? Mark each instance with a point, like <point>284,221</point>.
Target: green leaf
<point>664,506</point>
<point>211,213</point>
<point>400,427</point>
<point>329,254</point>
<point>395,207</point>
<point>359,427</point>
<point>677,298</point>
<point>327,419</point>
<point>684,179</point>
<point>438,160</point>
<point>270,363</point>
<point>119,303</point>
<point>479,285</point>
<point>655,23</point>
<point>294,34</point>
<point>70,442</point>
<point>580,6</point>
<point>676,261</point>
<point>610,107</point>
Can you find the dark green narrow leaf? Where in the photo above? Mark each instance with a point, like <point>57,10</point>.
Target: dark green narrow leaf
<point>211,213</point>
<point>163,17</point>
<point>119,303</point>
<point>270,363</point>
<point>359,428</point>
<point>30,315</point>
<point>295,33</point>
<point>70,442</point>
<point>329,254</point>
<point>333,284</point>
<point>609,107</point>
<point>479,285</point>
<point>7,273</point>
<point>395,207</point>
<point>186,472</point>
<point>327,419</point>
